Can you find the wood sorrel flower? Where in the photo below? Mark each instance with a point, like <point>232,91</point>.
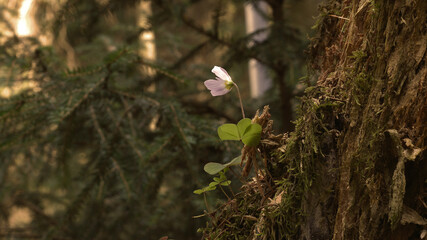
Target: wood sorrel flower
<point>223,83</point>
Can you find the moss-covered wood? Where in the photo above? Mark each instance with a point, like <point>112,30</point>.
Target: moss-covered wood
<point>355,167</point>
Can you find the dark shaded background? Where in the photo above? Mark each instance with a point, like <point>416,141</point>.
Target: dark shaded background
<point>97,141</point>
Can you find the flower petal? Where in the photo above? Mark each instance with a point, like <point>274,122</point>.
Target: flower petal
<point>221,73</point>
<point>215,84</point>
<point>219,92</point>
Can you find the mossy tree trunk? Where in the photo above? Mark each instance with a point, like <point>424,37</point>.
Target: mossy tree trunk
<point>355,167</point>
<point>371,55</point>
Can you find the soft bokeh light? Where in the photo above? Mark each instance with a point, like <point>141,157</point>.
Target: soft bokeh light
<point>23,27</point>
<point>8,91</point>
<point>147,38</point>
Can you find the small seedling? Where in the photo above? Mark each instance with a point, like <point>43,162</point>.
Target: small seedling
<point>245,131</point>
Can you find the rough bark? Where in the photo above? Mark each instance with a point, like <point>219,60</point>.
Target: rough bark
<point>372,56</point>
<point>355,167</point>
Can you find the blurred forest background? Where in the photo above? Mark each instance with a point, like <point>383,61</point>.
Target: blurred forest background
<point>105,124</point>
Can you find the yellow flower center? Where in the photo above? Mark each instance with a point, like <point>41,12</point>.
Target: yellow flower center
<point>228,84</point>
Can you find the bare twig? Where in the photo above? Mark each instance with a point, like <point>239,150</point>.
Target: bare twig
<point>179,125</point>
<point>134,148</point>
<point>104,141</point>
<point>340,17</point>
<point>216,38</point>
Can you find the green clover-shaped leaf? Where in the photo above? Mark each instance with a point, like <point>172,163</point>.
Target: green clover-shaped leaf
<point>205,189</point>
<point>242,125</point>
<point>213,168</point>
<point>235,161</point>
<point>252,135</point>
<point>246,131</point>
<point>226,183</point>
<point>228,131</point>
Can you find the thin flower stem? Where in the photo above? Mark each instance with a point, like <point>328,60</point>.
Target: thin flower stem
<point>222,189</point>
<point>231,190</point>
<point>240,99</point>
<point>206,203</point>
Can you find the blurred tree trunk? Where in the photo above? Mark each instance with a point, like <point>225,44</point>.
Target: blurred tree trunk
<point>371,56</point>
<point>146,38</point>
<point>281,66</point>
<point>259,78</point>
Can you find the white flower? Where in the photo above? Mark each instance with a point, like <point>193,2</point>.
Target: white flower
<point>222,84</point>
